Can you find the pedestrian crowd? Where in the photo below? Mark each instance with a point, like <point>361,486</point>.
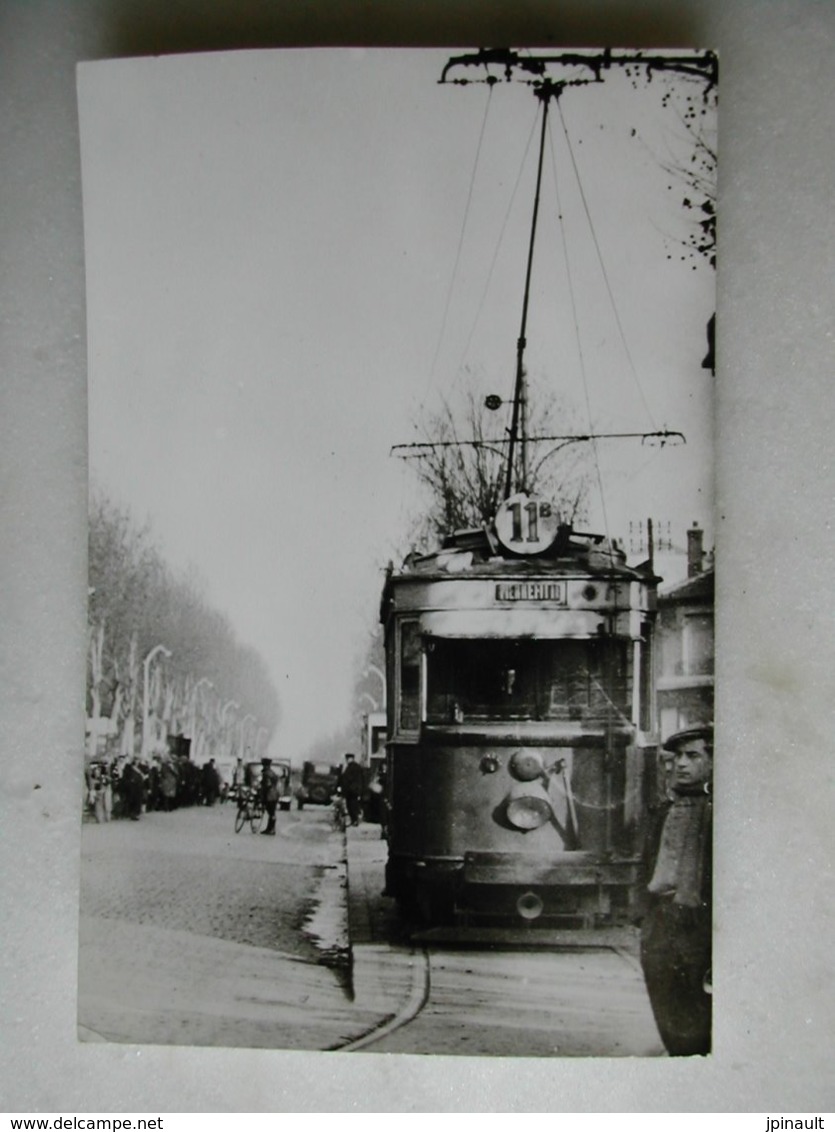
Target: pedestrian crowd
<point>119,787</point>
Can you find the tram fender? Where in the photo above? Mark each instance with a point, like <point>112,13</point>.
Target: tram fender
<point>569,869</point>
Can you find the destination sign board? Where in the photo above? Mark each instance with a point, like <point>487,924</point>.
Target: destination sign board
<point>554,592</point>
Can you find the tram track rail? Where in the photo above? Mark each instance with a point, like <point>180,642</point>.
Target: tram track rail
<point>419,978</point>
<point>465,987</point>
<point>412,1007</point>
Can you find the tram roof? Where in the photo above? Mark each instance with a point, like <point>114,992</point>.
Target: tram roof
<point>477,553</point>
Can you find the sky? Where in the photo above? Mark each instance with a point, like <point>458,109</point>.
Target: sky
<point>289,254</point>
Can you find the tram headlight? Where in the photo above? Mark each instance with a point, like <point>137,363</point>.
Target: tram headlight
<point>526,765</point>
<point>528,806</point>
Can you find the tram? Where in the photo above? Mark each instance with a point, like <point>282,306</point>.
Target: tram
<point>519,755</point>
<point>521,751</point>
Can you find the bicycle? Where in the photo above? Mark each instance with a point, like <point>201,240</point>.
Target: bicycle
<point>250,809</point>
<point>339,814</point>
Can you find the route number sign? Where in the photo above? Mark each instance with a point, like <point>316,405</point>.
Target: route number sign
<point>526,524</point>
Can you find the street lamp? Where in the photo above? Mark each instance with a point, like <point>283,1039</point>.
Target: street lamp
<point>228,737</point>
<point>204,680</point>
<point>244,722</point>
<point>146,664</point>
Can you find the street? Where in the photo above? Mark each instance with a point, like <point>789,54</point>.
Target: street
<point>191,934</point>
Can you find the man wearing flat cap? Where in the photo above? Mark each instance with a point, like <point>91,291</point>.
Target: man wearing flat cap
<point>676,932</point>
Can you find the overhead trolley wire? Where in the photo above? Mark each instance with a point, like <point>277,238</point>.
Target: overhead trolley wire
<point>499,242</point>
<point>546,90</point>
<point>605,273</point>
<point>461,236</point>
<point>576,321</point>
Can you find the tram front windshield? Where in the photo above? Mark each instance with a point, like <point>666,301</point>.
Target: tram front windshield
<point>479,680</point>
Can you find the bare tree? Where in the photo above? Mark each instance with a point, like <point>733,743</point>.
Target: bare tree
<point>462,463</point>
<point>692,165</point>
<point>142,602</point>
<point>127,742</point>
<point>95,681</point>
<point>697,173</point>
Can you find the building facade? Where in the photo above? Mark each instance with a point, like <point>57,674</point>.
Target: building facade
<point>685,645</point>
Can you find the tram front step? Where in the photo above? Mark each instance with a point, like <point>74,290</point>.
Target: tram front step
<point>622,938</point>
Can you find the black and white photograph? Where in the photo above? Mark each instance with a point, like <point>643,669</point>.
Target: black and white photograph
<point>400,598</point>
<point>345,350</point>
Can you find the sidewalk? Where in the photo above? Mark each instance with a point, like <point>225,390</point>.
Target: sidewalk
<point>366,853</point>
<point>384,978</point>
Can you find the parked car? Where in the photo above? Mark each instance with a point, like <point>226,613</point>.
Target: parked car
<point>285,794</point>
<point>319,784</point>
<point>225,769</point>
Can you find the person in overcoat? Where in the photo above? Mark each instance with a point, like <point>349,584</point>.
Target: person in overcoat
<point>133,789</point>
<point>676,934</point>
<point>210,783</point>
<point>269,793</point>
<point>352,785</point>
<point>169,779</point>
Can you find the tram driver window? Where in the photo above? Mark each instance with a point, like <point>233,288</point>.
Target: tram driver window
<point>480,679</point>
<point>536,680</point>
<point>409,676</point>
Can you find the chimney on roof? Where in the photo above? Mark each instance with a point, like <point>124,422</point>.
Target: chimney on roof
<point>695,553</point>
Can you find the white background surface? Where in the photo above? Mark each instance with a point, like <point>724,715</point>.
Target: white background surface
<point>773,971</point>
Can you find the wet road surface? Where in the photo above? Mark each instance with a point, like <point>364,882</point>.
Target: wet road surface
<point>192,934</point>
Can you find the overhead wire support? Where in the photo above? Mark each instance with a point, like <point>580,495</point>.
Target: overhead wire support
<point>697,65</point>
<point>545,93</point>
<point>702,65</point>
<point>420,447</point>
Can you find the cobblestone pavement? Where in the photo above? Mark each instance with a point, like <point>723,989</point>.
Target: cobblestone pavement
<point>192,934</point>
<point>189,871</point>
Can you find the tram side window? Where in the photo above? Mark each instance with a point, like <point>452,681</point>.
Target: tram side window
<point>607,676</point>
<point>409,714</point>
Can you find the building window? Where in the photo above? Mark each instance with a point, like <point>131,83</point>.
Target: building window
<point>697,644</point>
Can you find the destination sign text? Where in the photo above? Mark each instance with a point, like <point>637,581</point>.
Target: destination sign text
<point>531,591</point>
